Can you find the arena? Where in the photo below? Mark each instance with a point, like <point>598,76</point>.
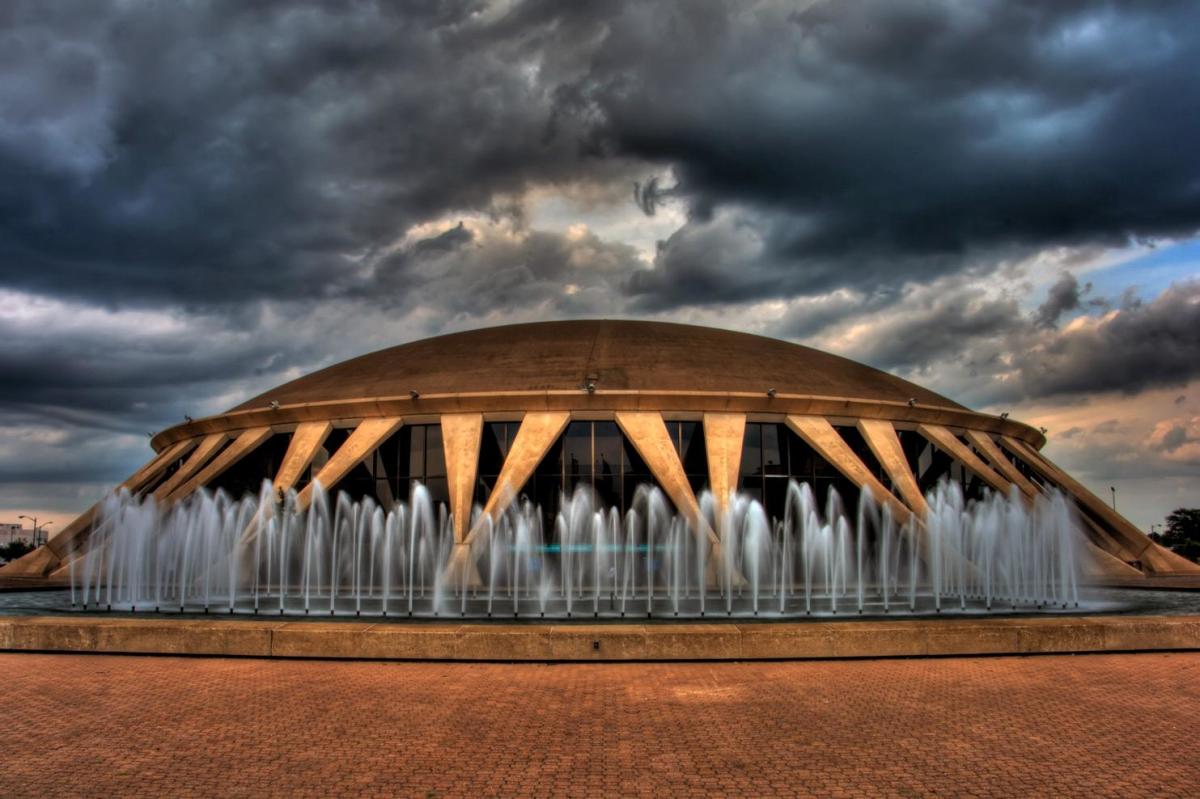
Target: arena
<point>493,419</point>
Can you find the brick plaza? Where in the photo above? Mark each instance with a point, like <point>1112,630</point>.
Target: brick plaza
<point>1096,725</point>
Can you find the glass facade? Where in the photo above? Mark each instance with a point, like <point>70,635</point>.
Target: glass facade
<point>413,454</point>
<point>930,464</point>
<point>597,454</point>
<point>772,454</point>
<point>247,475</point>
<point>497,439</point>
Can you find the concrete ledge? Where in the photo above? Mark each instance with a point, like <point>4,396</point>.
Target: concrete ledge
<point>598,642</point>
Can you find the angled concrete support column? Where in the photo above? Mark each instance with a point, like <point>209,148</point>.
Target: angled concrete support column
<point>200,456</point>
<point>461,435</point>
<point>369,434</point>
<point>885,444</point>
<point>648,434</point>
<point>151,471</point>
<point>946,441</point>
<point>243,445</point>
<point>819,434</point>
<point>984,443</point>
<point>723,437</point>
<point>306,440</point>
<point>535,436</point>
<point>1098,563</point>
<point>647,431</point>
<point>537,433</point>
<point>1154,558</point>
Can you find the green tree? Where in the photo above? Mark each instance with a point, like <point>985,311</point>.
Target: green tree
<point>13,550</point>
<point>1183,533</point>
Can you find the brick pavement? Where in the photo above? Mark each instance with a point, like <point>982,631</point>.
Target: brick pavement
<point>1099,725</point>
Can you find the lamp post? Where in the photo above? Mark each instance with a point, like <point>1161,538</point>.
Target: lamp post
<point>1113,489</point>
<point>36,527</point>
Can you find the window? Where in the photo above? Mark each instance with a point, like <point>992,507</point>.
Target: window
<point>497,440</point>
<point>772,454</point>
<point>422,459</point>
<point>598,455</point>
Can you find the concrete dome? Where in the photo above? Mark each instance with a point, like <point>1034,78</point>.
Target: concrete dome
<point>614,355</point>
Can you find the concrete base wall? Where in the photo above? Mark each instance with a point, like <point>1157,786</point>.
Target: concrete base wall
<point>599,642</point>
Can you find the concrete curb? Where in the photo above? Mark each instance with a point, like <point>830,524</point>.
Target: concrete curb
<point>599,642</point>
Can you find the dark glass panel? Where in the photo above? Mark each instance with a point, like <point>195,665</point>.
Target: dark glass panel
<point>435,458</point>
<point>752,450</point>
<point>776,496</point>
<point>752,486</point>
<point>484,484</point>
<point>416,452</point>
<point>633,463</point>
<point>493,447</point>
<point>771,454</point>
<point>691,451</point>
<point>439,491</point>
<point>608,462</point>
<point>388,455</point>
<point>577,452</point>
<point>247,475</point>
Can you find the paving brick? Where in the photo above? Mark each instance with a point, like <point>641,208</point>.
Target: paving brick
<point>110,725</point>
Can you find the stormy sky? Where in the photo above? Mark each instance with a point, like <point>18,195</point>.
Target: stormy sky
<point>998,200</point>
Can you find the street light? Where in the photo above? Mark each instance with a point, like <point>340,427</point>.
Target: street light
<point>1113,489</point>
<point>36,527</point>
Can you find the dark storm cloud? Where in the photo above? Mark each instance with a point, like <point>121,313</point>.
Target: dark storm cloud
<point>986,350</point>
<point>280,185</point>
<point>211,153</point>
<point>220,153</point>
<point>876,141</point>
<point>1142,346</point>
<point>1064,296</point>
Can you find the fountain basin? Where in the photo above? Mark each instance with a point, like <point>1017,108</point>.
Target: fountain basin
<point>599,642</point>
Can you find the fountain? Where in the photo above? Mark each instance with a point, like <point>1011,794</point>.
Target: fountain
<point>266,554</point>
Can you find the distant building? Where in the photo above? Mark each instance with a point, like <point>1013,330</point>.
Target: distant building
<point>12,531</point>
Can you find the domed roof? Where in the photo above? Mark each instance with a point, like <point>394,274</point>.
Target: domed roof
<point>615,355</point>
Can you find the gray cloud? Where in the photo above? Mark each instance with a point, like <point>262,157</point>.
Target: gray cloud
<point>1142,346</point>
<point>869,142</point>
<point>1064,296</point>
<point>978,346</point>
<point>203,200</point>
<point>153,152</point>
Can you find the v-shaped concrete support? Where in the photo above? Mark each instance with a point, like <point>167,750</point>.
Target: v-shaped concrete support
<point>723,437</point>
<point>461,436</point>
<point>306,441</point>
<point>1154,558</point>
<point>819,434</point>
<point>535,436</point>
<point>881,437</point>
<point>944,440</point>
<point>243,445</point>
<point>984,443</point>
<point>647,431</point>
<point>204,452</point>
<point>365,439</point>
